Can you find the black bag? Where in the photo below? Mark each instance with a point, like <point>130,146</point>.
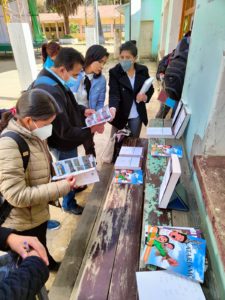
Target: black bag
<point>5,206</point>
<point>175,72</point>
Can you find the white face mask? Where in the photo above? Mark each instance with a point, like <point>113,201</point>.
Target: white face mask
<point>44,132</point>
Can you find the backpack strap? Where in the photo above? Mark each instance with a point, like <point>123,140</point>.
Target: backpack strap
<point>5,206</point>
<point>22,145</point>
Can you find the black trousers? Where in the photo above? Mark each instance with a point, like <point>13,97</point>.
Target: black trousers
<point>40,232</point>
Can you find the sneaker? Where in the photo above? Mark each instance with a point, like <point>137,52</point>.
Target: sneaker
<point>53,225</point>
<point>76,210</point>
<point>81,188</point>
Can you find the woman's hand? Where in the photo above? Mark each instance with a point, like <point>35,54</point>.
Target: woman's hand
<point>88,112</point>
<point>98,128</point>
<point>71,180</point>
<point>23,244</point>
<point>141,98</point>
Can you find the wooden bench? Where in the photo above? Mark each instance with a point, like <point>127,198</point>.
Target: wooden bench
<point>155,169</point>
<point>103,255</point>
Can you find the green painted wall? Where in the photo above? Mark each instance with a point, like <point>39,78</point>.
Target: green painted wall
<point>151,11</point>
<point>204,63</point>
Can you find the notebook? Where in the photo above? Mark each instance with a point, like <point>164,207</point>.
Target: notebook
<point>128,162</point>
<point>131,151</point>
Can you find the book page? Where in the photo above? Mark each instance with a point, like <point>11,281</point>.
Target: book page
<point>167,286</point>
<point>179,121</point>
<point>177,112</point>
<point>101,116</point>
<point>166,179</point>
<point>131,151</point>
<point>155,131</point>
<point>167,131</point>
<point>75,165</point>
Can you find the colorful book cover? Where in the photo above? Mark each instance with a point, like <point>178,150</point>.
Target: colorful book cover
<point>100,116</point>
<point>166,150</point>
<point>175,251</point>
<point>128,176</point>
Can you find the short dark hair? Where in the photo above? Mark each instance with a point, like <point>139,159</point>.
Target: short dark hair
<point>68,57</point>
<point>95,53</point>
<point>129,46</point>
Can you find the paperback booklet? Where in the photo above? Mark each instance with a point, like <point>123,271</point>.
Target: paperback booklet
<point>166,150</point>
<point>82,167</point>
<point>131,151</point>
<point>175,251</point>
<point>128,163</point>
<point>167,286</point>
<point>103,115</point>
<point>128,176</point>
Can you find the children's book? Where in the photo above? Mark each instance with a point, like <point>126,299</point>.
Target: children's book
<point>82,167</point>
<point>163,98</point>
<point>164,285</point>
<point>131,151</point>
<point>128,163</point>
<point>101,116</point>
<point>128,176</point>
<point>175,251</point>
<point>166,150</point>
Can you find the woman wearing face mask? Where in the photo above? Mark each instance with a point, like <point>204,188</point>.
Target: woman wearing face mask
<point>92,88</point>
<point>30,191</point>
<point>92,83</point>
<point>126,104</point>
<point>49,52</point>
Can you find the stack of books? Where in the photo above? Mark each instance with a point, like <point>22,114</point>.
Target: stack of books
<point>128,166</point>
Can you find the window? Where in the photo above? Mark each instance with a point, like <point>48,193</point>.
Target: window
<point>120,27</point>
<point>106,27</point>
<point>53,29</point>
<point>47,29</point>
<point>60,28</point>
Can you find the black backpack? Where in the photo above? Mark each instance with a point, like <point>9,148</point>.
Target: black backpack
<point>175,71</point>
<point>5,206</point>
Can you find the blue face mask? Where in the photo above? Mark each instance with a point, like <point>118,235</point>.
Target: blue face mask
<point>126,64</point>
<point>71,82</point>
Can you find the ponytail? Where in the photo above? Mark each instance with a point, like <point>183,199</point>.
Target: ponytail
<point>44,52</point>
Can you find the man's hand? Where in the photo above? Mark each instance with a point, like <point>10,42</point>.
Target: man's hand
<point>71,180</point>
<point>113,113</point>
<point>88,112</point>
<point>98,128</point>
<point>20,244</point>
<point>141,98</point>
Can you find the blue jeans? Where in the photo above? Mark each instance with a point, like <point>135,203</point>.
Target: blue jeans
<point>135,125</point>
<point>69,201</point>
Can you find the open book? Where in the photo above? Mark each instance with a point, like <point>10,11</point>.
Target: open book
<point>82,167</point>
<point>176,129</point>
<point>131,151</point>
<point>128,162</point>
<point>103,115</point>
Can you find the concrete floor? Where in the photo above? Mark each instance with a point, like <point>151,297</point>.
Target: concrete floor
<point>9,91</point>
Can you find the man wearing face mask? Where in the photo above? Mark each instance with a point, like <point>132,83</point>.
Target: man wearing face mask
<point>126,104</point>
<point>67,132</point>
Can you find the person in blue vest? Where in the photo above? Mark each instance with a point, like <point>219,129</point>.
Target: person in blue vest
<point>49,52</point>
<point>91,90</point>
<point>68,132</point>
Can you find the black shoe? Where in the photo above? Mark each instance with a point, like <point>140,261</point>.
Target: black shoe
<point>81,189</point>
<point>54,266</point>
<point>76,210</point>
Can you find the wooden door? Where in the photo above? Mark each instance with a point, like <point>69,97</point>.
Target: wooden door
<point>145,41</point>
<point>187,16</point>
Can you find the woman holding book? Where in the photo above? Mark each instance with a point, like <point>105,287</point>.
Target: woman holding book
<point>127,104</point>
<point>92,88</point>
<point>28,189</point>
